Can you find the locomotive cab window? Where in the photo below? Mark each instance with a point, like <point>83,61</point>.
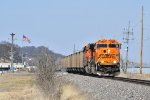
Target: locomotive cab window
<point>113,45</point>
<point>101,46</point>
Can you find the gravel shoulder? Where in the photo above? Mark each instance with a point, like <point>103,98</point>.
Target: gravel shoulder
<point>105,89</point>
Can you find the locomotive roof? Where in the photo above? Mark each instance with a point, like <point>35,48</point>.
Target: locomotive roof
<point>108,41</point>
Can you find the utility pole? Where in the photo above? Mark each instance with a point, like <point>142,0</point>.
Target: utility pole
<point>141,50</point>
<point>12,53</point>
<point>126,38</point>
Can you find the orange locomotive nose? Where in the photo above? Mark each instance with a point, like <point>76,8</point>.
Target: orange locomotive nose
<point>108,52</point>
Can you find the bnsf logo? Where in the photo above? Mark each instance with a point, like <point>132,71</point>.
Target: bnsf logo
<point>108,55</point>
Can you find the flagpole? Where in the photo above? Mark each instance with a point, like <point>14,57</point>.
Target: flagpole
<point>24,39</point>
<point>22,53</point>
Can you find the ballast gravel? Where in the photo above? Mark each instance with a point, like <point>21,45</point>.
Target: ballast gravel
<point>106,89</point>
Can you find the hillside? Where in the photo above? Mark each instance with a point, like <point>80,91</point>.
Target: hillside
<point>29,52</point>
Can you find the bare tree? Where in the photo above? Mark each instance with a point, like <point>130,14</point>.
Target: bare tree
<point>45,74</point>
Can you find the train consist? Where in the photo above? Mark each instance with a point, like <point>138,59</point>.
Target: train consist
<point>102,57</point>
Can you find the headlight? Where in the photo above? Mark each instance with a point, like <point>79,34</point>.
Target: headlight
<point>102,61</point>
<point>108,51</point>
<point>114,62</point>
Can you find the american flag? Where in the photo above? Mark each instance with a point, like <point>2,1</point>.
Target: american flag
<point>26,39</point>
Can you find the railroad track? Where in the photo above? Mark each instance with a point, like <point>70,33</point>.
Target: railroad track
<point>135,81</point>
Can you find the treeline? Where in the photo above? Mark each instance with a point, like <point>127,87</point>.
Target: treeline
<point>27,52</point>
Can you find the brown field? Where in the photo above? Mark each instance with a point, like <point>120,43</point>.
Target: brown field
<point>22,86</point>
<point>19,86</point>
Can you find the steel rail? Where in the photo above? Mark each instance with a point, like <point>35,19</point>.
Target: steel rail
<point>136,81</point>
<point>123,79</point>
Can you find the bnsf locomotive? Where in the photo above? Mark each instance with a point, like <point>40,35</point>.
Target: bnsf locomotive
<point>102,57</point>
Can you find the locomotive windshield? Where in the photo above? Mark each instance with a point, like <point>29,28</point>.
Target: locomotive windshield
<point>101,46</point>
<point>113,45</point>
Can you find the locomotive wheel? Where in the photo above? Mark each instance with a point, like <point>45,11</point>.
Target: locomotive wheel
<point>93,69</point>
<point>88,69</point>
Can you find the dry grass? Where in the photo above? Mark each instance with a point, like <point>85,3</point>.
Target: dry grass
<point>19,87</point>
<point>71,92</point>
<point>22,87</point>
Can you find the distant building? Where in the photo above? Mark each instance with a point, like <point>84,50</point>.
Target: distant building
<point>8,65</point>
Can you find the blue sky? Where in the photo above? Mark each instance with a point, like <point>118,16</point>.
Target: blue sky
<point>59,24</point>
